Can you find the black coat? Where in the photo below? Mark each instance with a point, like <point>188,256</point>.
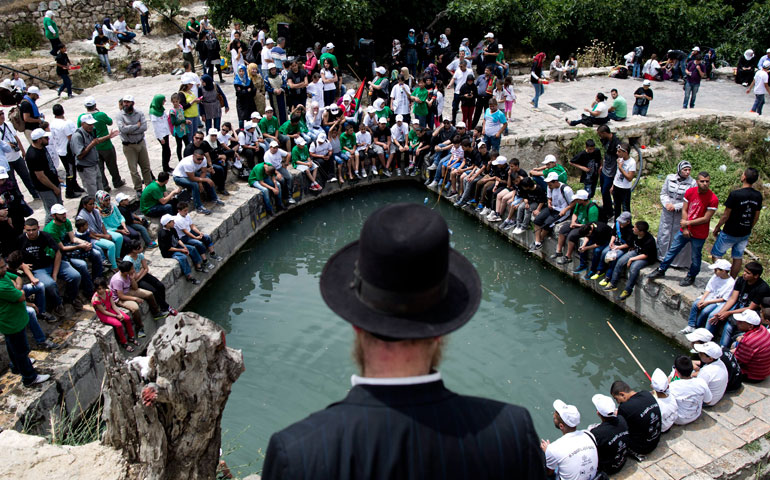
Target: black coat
<point>401,432</point>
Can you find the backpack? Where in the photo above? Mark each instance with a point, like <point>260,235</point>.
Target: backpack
<point>14,115</point>
<point>249,55</point>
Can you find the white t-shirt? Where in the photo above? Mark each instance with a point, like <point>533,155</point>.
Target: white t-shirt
<point>715,376</point>
<point>181,224</point>
<point>313,121</point>
<point>400,96</point>
<point>186,45</point>
<point>261,37</point>
<point>760,79</point>
<point>557,199</point>
<point>720,287</point>
<point>328,75</point>
<point>187,165</point>
<point>603,110</point>
<point>246,138</point>
<point>690,394</point>
<point>315,91</point>
<point>275,159</point>
<point>141,6</point>
<point>19,83</point>
<point>60,130</point>
<point>119,27</point>
<point>620,180</point>
<point>575,455</point>
<point>460,77</point>
<point>439,103</point>
<point>651,67</point>
<point>8,135</point>
<point>668,412</point>
<point>267,57</point>
<point>320,148</point>
<point>399,133</point>
<point>363,139</point>
<point>493,122</point>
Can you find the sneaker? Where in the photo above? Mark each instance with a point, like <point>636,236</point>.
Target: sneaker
<point>173,311</point>
<point>39,379</point>
<point>597,276</point>
<point>292,201</point>
<point>687,281</point>
<point>433,184</point>
<point>457,204</point>
<point>193,280</point>
<point>160,315</point>
<point>432,167</point>
<point>216,257</point>
<point>358,175</point>
<point>625,294</point>
<point>657,273</point>
<point>564,260</point>
<point>686,330</point>
<point>219,202</point>
<point>47,317</point>
<point>202,269</point>
<point>427,181</point>
<point>119,184</point>
<point>580,269</point>
<point>140,334</point>
<point>49,345</point>
<point>494,217</point>
<point>610,288</point>
<point>59,311</point>
<point>414,172</point>
<point>398,172</point>
<point>387,173</point>
<point>203,210</point>
<point>518,231</point>
<point>152,245</point>
<point>333,179</point>
<point>363,173</point>
<point>604,282</point>
<point>374,170</point>
<point>505,224</point>
<point>486,211</point>
<point>224,193</point>
<point>535,247</point>
<point>555,256</point>
<point>77,304</point>
<point>210,266</point>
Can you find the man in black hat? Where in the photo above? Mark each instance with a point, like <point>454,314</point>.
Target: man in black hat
<point>403,289</point>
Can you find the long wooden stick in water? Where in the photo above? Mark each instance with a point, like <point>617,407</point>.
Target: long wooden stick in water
<point>555,296</point>
<point>629,351</point>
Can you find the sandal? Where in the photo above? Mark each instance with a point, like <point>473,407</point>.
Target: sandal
<point>127,347</point>
<point>134,341</point>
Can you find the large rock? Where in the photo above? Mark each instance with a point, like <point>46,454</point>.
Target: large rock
<point>167,416</point>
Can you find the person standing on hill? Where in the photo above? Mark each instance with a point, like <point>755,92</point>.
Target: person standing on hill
<point>52,32</point>
<point>760,87</point>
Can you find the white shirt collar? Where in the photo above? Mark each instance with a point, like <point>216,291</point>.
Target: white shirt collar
<point>433,377</point>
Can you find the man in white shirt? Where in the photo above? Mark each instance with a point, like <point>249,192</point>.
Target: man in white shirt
<point>560,198</point>
<point>61,132</point>
<point>15,158</point>
<point>18,82</point>
<point>399,145</point>
<point>399,97</point>
<point>690,393</point>
<point>458,80</point>
<point>712,371</point>
<point>321,153</point>
<point>249,144</point>
<point>278,159</point>
<point>190,173</point>
<point>760,87</point>
<point>667,403</point>
<point>266,56</point>
<point>144,15</point>
<point>455,64</point>
<point>573,456</point>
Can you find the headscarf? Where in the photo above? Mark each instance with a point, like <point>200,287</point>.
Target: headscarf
<point>101,196</point>
<point>242,80</point>
<point>539,59</point>
<point>443,42</point>
<point>748,54</point>
<point>411,38</point>
<point>156,105</point>
<point>49,13</point>
<point>208,82</point>
<point>107,22</point>
<point>681,166</point>
<point>426,34</point>
<point>396,48</point>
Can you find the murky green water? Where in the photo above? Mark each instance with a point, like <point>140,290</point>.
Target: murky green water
<point>523,346</point>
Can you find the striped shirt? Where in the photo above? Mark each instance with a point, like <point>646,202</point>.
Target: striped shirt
<point>753,354</point>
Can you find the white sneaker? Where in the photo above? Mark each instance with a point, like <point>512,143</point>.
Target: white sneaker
<point>387,173</point>
<point>398,172</point>
<point>292,201</point>
<point>363,173</point>
<point>494,217</point>
<point>518,231</point>
<point>432,167</point>
<point>485,212</point>
<point>686,330</point>
<point>332,179</point>
<point>374,170</point>
<point>452,198</point>
<point>433,184</point>
<point>39,379</point>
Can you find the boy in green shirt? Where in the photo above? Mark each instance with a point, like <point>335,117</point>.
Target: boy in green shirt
<point>619,109</point>
<point>420,107</point>
<point>300,160</point>
<point>155,200</point>
<point>584,212</point>
<point>269,125</point>
<point>548,165</point>
<point>263,178</point>
<point>348,146</point>
<point>52,32</point>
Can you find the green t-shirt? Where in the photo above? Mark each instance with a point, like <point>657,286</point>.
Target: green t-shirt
<point>500,56</point>
<point>58,232</point>
<point>151,196</point>
<point>348,141</point>
<point>13,313</point>
<point>420,108</point>
<point>269,126</point>
<point>330,56</point>
<point>195,26</point>
<point>100,129</point>
<point>413,138</point>
<point>257,173</point>
<point>299,155</point>
<point>385,112</point>
<point>621,107</point>
<point>288,129</point>
<point>558,169</point>
<point>586,214</point>
<point>48,22</point>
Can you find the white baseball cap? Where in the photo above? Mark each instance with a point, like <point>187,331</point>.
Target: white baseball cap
<point>269,41</point>
<point>489,35</point>
<point>270,65</point>
<point>580,194</point>
<point>88,118</point>
<point>461,125</point>
<point>501,160</point>
<point>3,173</point>
<point>89,102</point>
<point>165,219</point>
<point>500,46</point>
<point>39,133</point>
<point>400,118</point>
<point>552,177</point>
<point>273,144</point>
<point>268,109</point>
<point>58,209</point>
<point>382,120</point>
<point>321,138</point>
<point>329,45</point>
<point>659,381</point>
<point>381,70</point>
<point>334,109</point>
<point>569,413</point>
<point>699,335</point>
<point>300,141</point>
<point>33,89</point>
<point>709,348</point>
<point>247,125</point>
<point>604,405</point>
<point>213,131</point>
<point>120,197</point>
<point>721,264</point>
<point>766,64</point>
<point>749,316</point>
<point>370,109</point>
<point>415,121</point>
<point>254,114</point>
<point>646,82</point>
<point>128,98</point>
<point>696,49</point>
<point>548,159</point>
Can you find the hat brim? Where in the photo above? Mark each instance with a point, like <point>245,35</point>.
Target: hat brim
<point>460,303</point>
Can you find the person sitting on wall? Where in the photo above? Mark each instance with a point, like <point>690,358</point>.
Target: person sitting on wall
<point>690,392</point>
<point>60,229</point>
<point>172,247</point>
<point>702,335</point>
<point>548,165</point>
<point>156,200</point>
<point>560,201</point>
<point>583,213</point>
<point>191,236</point>
<point>718,291</point>
<point>144,278</point>
<point>666,403</point>
<point>192,174</point>
<point>712,370</point>
<point>642,414</point>
<point>267,180</point>
<point>588,162</point>
<point>128,295</point>
<point>611,435</point>
<point>642,252</point>
<point>597,114</point>
<point>619,244</point>
<point>595,237</point>
<point>753,351</point>
<point>574,455</point>
<point>107,312</point>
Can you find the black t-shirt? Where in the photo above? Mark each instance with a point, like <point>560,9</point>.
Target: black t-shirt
<point>536,196</point>
<point>591,161</point>
<point>750,293</point>
<point>743,203</point>
<point>26,107</point>
<point>101,40</point>
<point>465,90</point>
<point>647,246</point>
<point>733,371</point>
<point>626,234</point>
<point>642,414</point>
<point>38,160</point>
<point>298,77</point>
<point>601,234</point>
<point>62,59</point>
<point>610,166</point>
<point>491,48</point>
<point>612,444</point>
<point>643,101</point>
<point>381,134</point>
<point>34,251</point>
<point>167,239</point>
<point>190,148</point>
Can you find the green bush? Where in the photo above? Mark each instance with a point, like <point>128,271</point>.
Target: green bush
<point>754,145</point>
<point>25,35</point>
<point>169,8</point>
<point>709,159</point>
<point>578,144</point>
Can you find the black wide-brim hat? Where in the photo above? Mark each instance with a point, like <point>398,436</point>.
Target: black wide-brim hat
<point>401,279</point>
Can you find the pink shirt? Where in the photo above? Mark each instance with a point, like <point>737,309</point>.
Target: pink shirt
<point>119,284</point>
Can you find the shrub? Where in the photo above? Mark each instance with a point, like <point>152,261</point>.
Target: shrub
<point>25,35</point>
<point>754,145</point>
<point>707,128</point>
<point>710,159</point>
<point>170,8</point>
<point>597,54</point>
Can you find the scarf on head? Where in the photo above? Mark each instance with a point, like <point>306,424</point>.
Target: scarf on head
<point>242,80</point>
<point>156,106</point>
<point>396,48</point>
<point>107,22</point>
<point>101,196</point>
<point>748,54</point>
<point>411,39</point>
<point>253,72</point>
<point>539,59</point>
<point>425,42</point>
<point>681,166</point>
<point>35,111</point>
<point>443,42</point>
<point>208,82</point>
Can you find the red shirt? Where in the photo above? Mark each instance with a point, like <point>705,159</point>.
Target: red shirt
<point>753,353</point>
<point>698,203</point>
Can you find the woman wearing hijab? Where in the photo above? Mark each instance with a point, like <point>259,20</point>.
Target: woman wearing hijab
<point>744,73</point>
<point>112,219</point>
<point>395,54</point>
<point>410,49</point>
<point>536,78</point>
<point>426,50</point>
<point>212,101</point>
<point>161,124</point>
<point>672,198</point>
<point>276,88</point>
<point>244,95</point>
<point>189,103</point>
<point>259,85</point>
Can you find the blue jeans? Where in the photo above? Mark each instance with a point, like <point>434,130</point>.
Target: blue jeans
<point>633,271</point>
<point>38,291</point>
<point>341,157</point>
<point>493,142</point>
<point>71,279</point>
<point>34,326</point>
<point>697,318</point>
<point>66,82</point>
<point>690,92</point>
<point>193,187</point>
<point>216,121</point>
<point>145,19</point>
<point>614,116</point>
<point>540,180</point>
<point>606,185</point>
<point>126,37</point>
<point>85,277</point>
<point>200,246</point>
<point>288,181</point>
<point>637,70</point>
<point>605,266</point>
<point>539,90</point>
<point>637,110</point>
<point>193,127</point>
<point>266,194</point>
<point>679,242</point>
<point>160,210</point>
<point>736,245</point>
<point>18,353</point>
<point>104,59</point>
<point>138,228</point>
<point>759,101</point>
<point>596,257</point>
<point>183,264</point>
<point>727,333</point>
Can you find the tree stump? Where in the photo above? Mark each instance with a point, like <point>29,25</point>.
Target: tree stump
<point>169,422</point>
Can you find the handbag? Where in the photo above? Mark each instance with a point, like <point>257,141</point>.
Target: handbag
<point>221,100</point>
